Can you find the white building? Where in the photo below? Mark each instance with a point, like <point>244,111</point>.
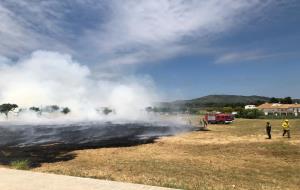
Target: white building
<point>279,109</point>
<point>250,107</point>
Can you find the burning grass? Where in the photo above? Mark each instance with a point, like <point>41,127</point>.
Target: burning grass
<point>233,156</point>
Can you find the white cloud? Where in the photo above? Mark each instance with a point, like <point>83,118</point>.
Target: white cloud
<point>25,27</point>
<point>118,32</point>
<point>141,31</point>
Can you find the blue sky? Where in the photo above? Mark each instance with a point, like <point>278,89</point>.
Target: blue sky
<point>188,48</point>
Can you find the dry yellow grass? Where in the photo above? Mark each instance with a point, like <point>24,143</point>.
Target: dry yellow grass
<point>235,156</point>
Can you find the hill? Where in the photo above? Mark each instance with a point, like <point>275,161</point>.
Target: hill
<point>228,99</point>
<point>218,101</point>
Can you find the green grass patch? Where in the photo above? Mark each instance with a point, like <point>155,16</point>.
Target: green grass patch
<point>20,164</point>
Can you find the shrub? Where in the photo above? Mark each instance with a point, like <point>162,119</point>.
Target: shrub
<point>5,108</point>
<point>20,164</point>
<point>227,110</point>
<point>250,114</point>
<point>36,109</point>
<point>66,110</point>
<point>107,111</point>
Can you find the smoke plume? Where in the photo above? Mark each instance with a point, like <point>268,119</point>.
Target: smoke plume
<point>51,78</point>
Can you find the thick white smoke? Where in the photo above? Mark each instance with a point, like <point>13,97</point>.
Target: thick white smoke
<point>51,78</point>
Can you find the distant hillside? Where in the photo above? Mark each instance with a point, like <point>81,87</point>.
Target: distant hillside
<point>228,99</point>
<point>218,101</point>
<point>215,102</point>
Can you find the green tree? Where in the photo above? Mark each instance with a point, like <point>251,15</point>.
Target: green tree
<point>287,100</point>
<point>66,110</point>
<point>149,109</point>
<point>238,108</point>
<point>227,110</point>
<point>210,109</point>
<point>107,111</point>
<point>6,108</point>
<point>36,109</point>
<point>250,114</point>
<point>55,107</point>
<point>51,108</point>
<point>274,100</point>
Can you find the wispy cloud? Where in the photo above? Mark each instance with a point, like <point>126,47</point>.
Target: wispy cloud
<point>118,32</point>
<point>233,57</point>
<point>244,56</point>
<point>141,31</point>
<point>26,27</point>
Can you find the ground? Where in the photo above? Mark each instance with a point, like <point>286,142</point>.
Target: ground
<point>235,156</point>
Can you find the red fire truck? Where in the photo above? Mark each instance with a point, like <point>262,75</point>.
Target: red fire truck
<point>219,118</point>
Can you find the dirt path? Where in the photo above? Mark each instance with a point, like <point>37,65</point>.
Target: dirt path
<point>25,180</point>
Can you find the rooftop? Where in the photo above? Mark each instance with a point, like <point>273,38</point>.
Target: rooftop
<point>278,106</point>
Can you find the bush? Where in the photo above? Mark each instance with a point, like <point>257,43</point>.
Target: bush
<point>20,164</point>
<point>250,114</point>
<point>107,111</point>
<point>66,110</point>
<point>36,109</point>
<point>227,110</point>
<point>5,108</point>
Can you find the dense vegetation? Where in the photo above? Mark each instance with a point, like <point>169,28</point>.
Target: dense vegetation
<point>8,107</point>
<point>222,103</point>
<point>286,100</point>
<point>250,114</point>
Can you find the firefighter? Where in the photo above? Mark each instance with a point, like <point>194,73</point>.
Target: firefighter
<point>205,123</point>
<point>268,130</point>
<point>201,123</point>
<point>286,128</point>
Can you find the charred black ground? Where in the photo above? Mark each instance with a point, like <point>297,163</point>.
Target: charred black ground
<point>85,133</point>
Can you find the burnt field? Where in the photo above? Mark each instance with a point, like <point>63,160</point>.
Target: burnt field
<point>85,133</point>
<point>235,156</point>
<point>47,143</point>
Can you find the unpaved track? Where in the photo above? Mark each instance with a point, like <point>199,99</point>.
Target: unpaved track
<point>26,180</point>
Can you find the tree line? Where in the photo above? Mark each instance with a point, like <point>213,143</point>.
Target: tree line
<point>8,107</point>
<point>286,100</point>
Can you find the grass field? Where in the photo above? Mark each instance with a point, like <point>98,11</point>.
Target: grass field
<point>235,156</point>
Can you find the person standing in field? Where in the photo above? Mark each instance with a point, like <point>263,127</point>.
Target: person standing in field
<point>268,129</point>
<point>204,122</point>
<point>286,128</point>
<point>200,123</point>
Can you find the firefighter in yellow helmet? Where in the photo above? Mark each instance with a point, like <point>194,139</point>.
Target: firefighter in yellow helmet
<point>286,128</point>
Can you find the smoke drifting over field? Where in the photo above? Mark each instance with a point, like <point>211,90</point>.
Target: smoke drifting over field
<point>50,78</point>
<point>82,133</point>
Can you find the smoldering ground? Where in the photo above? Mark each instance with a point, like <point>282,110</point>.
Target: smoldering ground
<point>51,78</point>
<point>85,133</point>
